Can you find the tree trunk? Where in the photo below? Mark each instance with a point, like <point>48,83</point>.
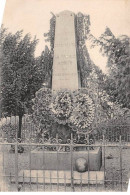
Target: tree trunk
<point>20,126</point>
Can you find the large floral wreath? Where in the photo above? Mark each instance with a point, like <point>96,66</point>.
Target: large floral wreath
<point>83,111</point>
<point>41,112</point>
<point>61,106</point>
<point>76,109</point>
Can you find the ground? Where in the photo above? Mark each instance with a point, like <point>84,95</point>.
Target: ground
<point>112,169</point>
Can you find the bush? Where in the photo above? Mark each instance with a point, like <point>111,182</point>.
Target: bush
<point>112,129</point>
<point>8,132</point>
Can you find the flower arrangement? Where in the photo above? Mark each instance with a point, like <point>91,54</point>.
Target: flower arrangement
<point>41,113</point>
<point>75,110</point>
<point>61,106</point>
<point>83,111</point>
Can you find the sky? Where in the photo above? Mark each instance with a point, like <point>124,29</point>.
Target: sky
<point>33,17</point>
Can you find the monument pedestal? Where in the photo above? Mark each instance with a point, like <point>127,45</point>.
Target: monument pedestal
<point>52,168</point>
<point>48,160</point>
<point>60,177</point>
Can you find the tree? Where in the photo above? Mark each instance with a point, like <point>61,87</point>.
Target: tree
<point>21,76</point>
<point>118,52</point>
<point>2,36</point>
<point>44,63</point>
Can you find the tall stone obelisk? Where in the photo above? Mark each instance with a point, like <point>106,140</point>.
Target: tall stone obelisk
<point>65,73</point>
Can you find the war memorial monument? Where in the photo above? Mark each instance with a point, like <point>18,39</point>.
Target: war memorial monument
<point>71,164</point>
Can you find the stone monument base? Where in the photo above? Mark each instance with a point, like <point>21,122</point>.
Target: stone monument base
<point>61,161</point>
<point>60,177</point>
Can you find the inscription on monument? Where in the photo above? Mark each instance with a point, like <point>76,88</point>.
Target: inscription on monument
<point>65,74</point>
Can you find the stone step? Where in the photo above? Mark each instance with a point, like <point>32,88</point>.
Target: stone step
<point>61,177</point>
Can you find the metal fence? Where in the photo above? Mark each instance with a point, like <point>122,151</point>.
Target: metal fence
<point>18,171</point>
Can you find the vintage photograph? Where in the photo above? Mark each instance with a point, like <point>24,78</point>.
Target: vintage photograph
<point>65,96</point>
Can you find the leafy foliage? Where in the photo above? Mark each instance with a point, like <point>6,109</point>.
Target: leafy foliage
<point>51,34</point>
<point>18,73</point>
<point>44,64</point>
<point>118,53</point>
<point>21,75</point>
<point>3,32</point>
<point>82,24</point>
<point>113,128</point>
<point>8,132</point>
<point>41,112</point>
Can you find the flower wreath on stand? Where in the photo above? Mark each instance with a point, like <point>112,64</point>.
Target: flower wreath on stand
<point>83,112</point>
<point>41,112</point>
<point>73,108</point>
<point>64,111</point>
<point>61,106</point>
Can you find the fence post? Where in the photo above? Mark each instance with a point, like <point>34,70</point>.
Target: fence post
<point>57,150</point>
<point>30,164</point>
<point>120,148</point>
<point>16,156</point>
<point>16,164</point>
<point>88,162</point>
<point>104,158</point>
<point>71,151</point>
<point>43,163</point>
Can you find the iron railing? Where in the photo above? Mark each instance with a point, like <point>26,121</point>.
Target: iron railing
<point>17,173</point>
